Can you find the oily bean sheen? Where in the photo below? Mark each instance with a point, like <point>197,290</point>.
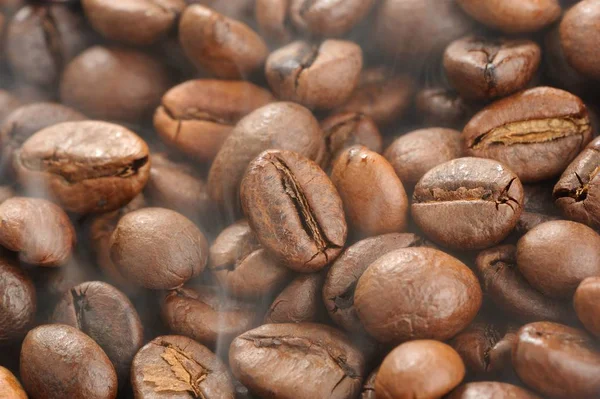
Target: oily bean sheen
<point>468,203</point>
<point>276,361</point>
<point>513,16</point>
<point>369,189</point>
<point>481,69</point>
<point>509,290</point>
<point>87,166</point>
<point>556,256</point>
<point>328,18</point>
<point>407,371</point>
<point>416,293</point>
<point>108,317</point>
<point>536,133</point>
<point>341,280</point>
<point>587,304</point>
<point>321,76</point>
<point>301,301</point>
<point>38,229</point>
<point>17,302</point>
<point>558,361</point>
<point>176,367</point>
<point>294,209</point>
<point>10,387</point>
<point>59,361</point>
<point>197,116</point>
<point>491,390</point>
<point>579,35</point>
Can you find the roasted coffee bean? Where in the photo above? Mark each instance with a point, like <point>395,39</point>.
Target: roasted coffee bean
<point>107,316</point>
<point>368,390</point>
<point>114,83</point>
<point>39,230</point>
<point>226,48</point>
<point>10,387</point>
<point>301,301</point>
<point>279,125</point>
<point>509,290</point>
<point>177,367</point>
<point>59,361</point>
<point>468,203</point>
<point>483,69</point>
<point>536,133</point>
<point>491,390</point>
<point>240,9</point>
<point>132,21</point>
<point>158,248</point>
<point>272,19</point>
<point>328,18</point>
<point>442,107</point>
<point>322,76</point>
<point>530,220</point>
<point>8,103</point>
<point>587,304</point>
<point>294,209</point>
<point>538,198</point>
<point>579,34</point>
<point>241,267</point>
<point>557,361</point>
<point>206,315</point>
<point>197,116</point>
<point>513,16</point>
<point>369,188</point>
<point>556,256</point>
<point>87,166</point>
<point>17,303</point>
<point>406,372</point>
<point>415,153</point>
<point>341,280</point>
<point>277,361</point>
<point>395,296</point>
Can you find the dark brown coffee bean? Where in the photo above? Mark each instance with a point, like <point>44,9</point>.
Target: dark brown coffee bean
<point>8,103</point>
<point>538,198</point>
<point>468,203</point>
<point>131,21</point>
<point>39,230</point>
<point>395,296</point>
<point>226,48</point>
<point>197,116</point>
<point>507,288</point>
<point>301,301</point>
<point>368,390</point>
<point>483,69</point>
<point>530,220</point>
<point>536,133</point>
<point>59,361</point>
<point>415,153</point>
<point>556,256</point>
<point>279,125</point>
<point>328,18</point>
<point>114,83</point>
<point>587,304</point>
<point>108,317</point>
<point>158,248</point>
<point>442,107</point>
<point>491,390</point>
<point>513,16</point>
<point>369,188</point>
<point>10,387</point>
<point>277,360</point>
<point>18,303</point>
<point>406,372</point>
<point>341,280</point>
<point>87,166</point>
<point>579,35</point>
<point>294,209</point>
<point>240,9</point>
<point>322,76</point>
<point>558,361</point>
<point>176,367</point>
<point>241,267</point>
<point>206,315</point>
<point>272,19</point>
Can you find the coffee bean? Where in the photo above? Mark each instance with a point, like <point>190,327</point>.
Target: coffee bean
<point>272,19</point>
<point>536,133</point>
<point>8,103</point>
<point>134,22</point>
<point>530,220</point>
<point>197,116</point>
<point>395,296</point>
<point>468,203</point>
<point>276,361</point>
<point>59,361</point>
<point>226,48</point>
<point>369,188</point>
<point>491,390</point>
<point>558,361</point>
<point>415,153</point>
<point>301,301</point>
<point>10,387</point>
<point>483,69</point>
<point>556,256</point>
<point>177,367</point>
<point>294,209</point>
<point>442,107</point>
<point>322,76</point>
<point>18,304</point>
<point>87,166</point>
<point>579,35</point>
<point>406,372</point>
<point>368,391</point>
<point>586,304</point>
<point>327,18</point>
<point>538,198</point>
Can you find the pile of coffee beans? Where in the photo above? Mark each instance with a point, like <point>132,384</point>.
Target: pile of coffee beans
<point>299,199</point>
